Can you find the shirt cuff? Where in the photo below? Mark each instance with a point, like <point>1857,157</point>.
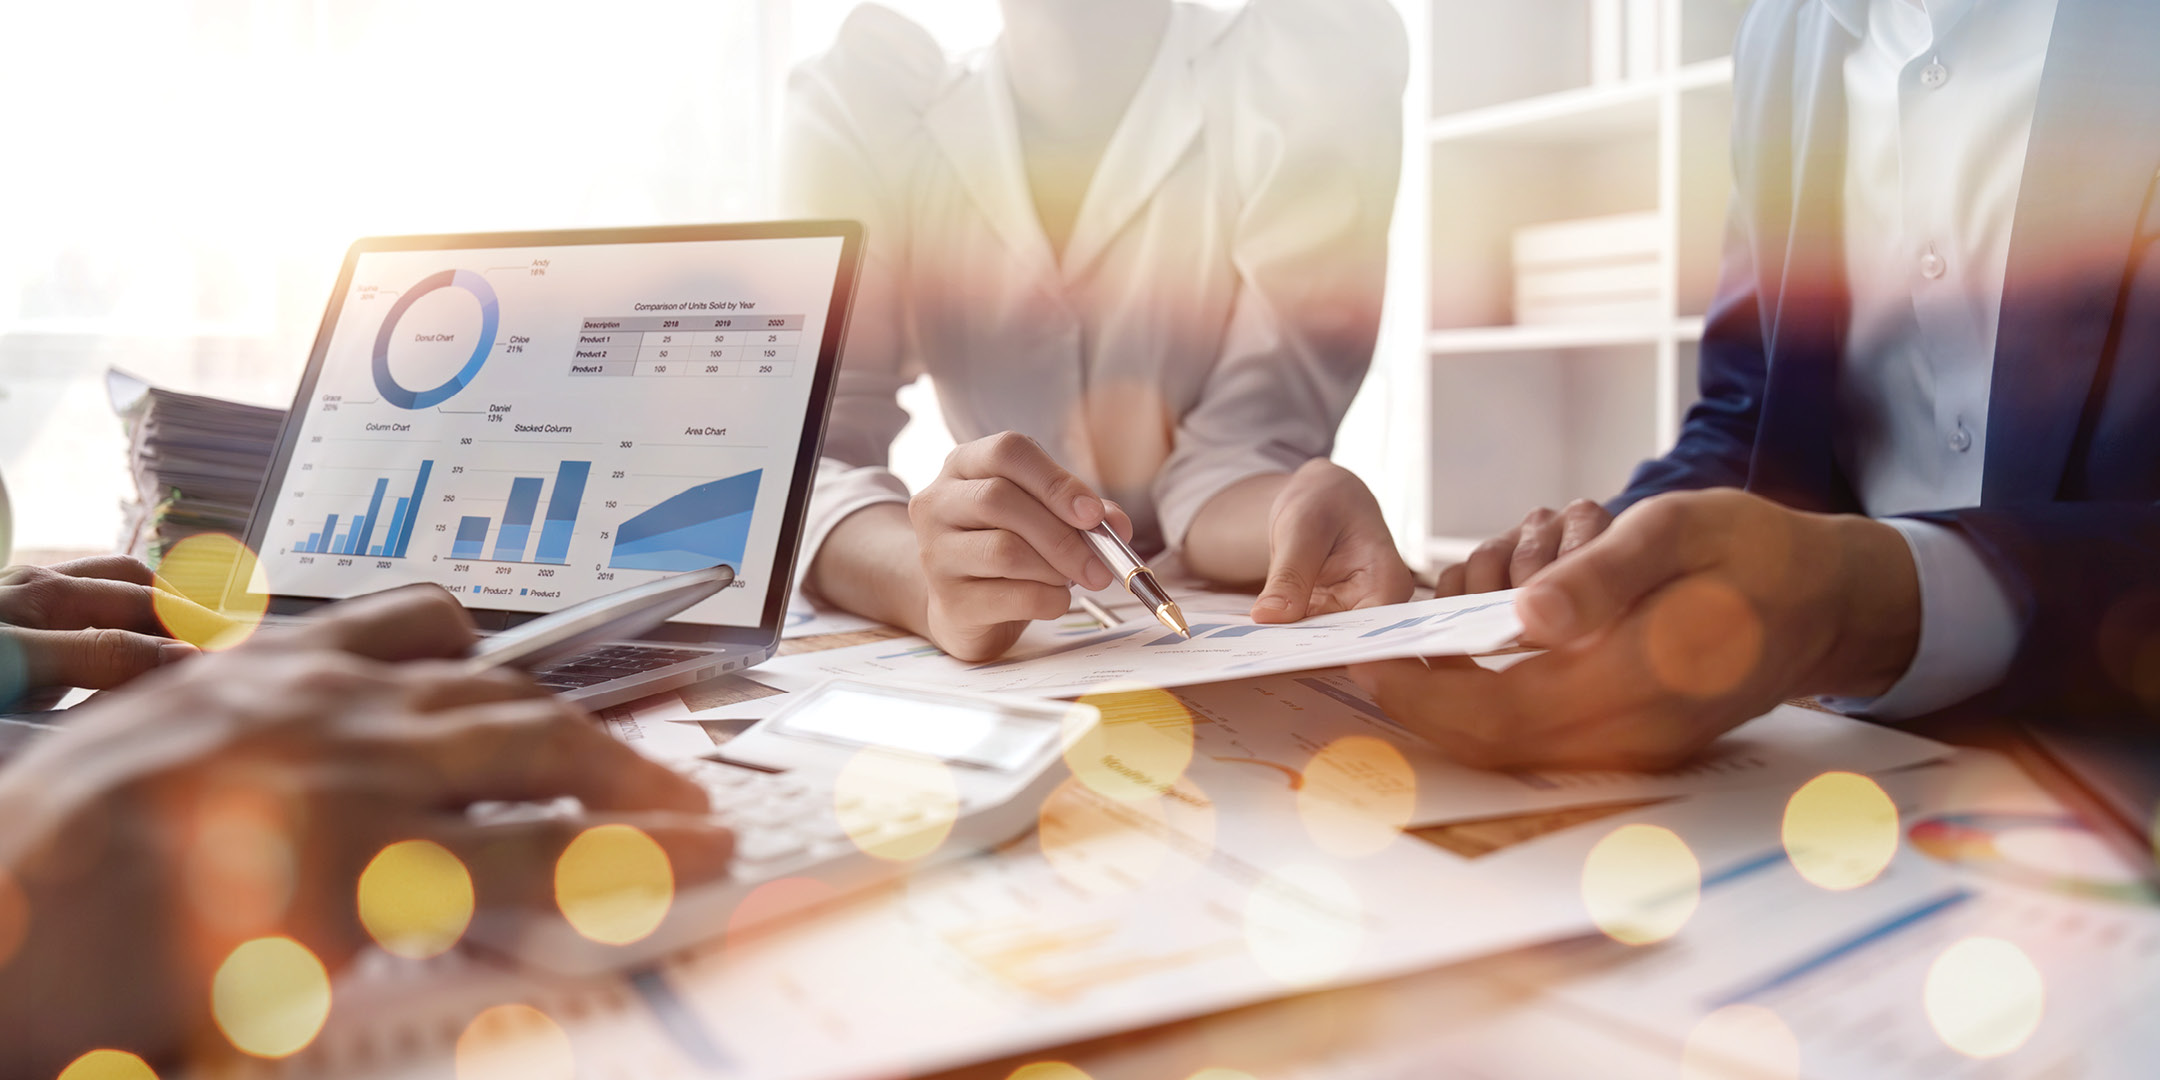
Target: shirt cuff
<point>840,491</point>
<point>1968,629</point>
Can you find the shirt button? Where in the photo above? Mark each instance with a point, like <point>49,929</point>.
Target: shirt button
<point>1934,75</point>
<point>1961,439</point>
<point>1932,265</point>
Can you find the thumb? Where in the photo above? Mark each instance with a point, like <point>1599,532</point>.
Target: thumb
<point>1293,570</point>
<point>1579,595</point>
<point>92,659</point>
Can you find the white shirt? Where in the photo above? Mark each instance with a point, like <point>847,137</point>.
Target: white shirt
<point>1216,305</point>
<point>1940,97</point>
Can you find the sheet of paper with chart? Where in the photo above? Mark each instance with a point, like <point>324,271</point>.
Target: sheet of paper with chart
<point>1123,912</point>
<point>1224,645</point>
<point>1278,725</point>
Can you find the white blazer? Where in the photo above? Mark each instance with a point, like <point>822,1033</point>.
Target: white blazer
<point>1217,304</point>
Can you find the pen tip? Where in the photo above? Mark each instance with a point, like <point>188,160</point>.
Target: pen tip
<point>1174,619</point>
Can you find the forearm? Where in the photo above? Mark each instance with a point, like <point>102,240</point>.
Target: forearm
<point>1228,540</point>
<point>871,565</point>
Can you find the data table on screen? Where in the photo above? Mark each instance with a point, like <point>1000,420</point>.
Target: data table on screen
<point>751,346</point>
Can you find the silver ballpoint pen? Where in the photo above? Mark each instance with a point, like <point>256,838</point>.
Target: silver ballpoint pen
<point>1138,579</point>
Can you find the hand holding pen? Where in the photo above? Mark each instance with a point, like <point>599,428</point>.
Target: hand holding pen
<point>1001,537</point>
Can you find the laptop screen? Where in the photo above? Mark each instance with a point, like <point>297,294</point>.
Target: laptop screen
<point>534,425</point>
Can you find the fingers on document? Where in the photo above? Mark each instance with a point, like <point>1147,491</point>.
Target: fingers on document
<point>1597,584</point>
<point>1298,550</point>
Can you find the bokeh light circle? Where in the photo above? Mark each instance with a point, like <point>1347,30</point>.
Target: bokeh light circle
<point>1702,638</point>
<point>14,917</point>
<point>1140,749</point>
<point>1984,997</point>
<point>108,1065</point>
<point>1304,924</point>
<point>204,596</point>
<point>415,899</point>
<point>1641,884</point>
<point>270,997</point>
<point>1740,1040</point>
<point>1357,796</point>
<point>896,806</point>
<point>1048,1070</point>
<point>1840,830</point>
<point>614,884</point>
<point>776,901</point>
<point>514,1042</point>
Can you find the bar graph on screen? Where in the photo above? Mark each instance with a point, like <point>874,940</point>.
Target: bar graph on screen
<point>707,525</point>
<point>515,533</point>
<point>371,533</point>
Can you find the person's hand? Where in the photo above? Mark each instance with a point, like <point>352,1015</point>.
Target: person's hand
<point>1512,558</point>
<point>241,795</point>
<point>999,534</point>
<point>1693,613</point>
<point>89,623</point>
<point>1329,548</point>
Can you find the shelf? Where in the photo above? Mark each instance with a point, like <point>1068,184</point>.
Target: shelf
<point>1499,339</point>
<point>1584,114</point>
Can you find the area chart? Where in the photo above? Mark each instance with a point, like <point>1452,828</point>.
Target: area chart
<point>707,525</point>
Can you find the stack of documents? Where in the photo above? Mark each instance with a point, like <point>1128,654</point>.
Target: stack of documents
<point>197,462</point>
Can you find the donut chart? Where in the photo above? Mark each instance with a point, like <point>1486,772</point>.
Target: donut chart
<point>490,312</point>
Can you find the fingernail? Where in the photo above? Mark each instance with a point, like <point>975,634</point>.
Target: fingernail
<point>174,652</point>
<point>1275,603</point>
<point>1088,509</point>
<point>1548,610</point>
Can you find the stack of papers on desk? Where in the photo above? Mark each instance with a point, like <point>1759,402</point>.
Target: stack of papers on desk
<point>197,462</point>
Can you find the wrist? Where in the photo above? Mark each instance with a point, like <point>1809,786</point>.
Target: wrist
<point>1876,594</point>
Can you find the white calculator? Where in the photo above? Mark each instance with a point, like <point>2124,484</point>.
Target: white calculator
<point>849,785</point>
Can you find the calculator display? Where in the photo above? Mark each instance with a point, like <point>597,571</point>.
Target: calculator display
<point>953,729</point>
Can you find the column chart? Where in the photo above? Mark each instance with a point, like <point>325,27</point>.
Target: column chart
<point>515,533</point>
<point>360,537</point>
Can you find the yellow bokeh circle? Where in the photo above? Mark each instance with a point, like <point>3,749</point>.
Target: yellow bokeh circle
<point>894,805</point>
<point>207,594</point>
<point>1841,830</point>
<point>415,899</point>
<point>270,997</point>
<point>1139,750</point>
<point>1304,924</point>
<point>1357,796</point>
<point>614,883</point>
<point>1984,997</point>
<point>108,1065</point>
<point>514,1042</point>
<point>1047,1070</point>
<point>1741,1040</point>
<point>1641,884</point>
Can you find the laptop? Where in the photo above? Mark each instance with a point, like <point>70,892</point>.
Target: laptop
<point>534,419</point>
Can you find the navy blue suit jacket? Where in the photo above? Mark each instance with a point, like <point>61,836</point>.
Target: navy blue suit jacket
<point>2067,517</point>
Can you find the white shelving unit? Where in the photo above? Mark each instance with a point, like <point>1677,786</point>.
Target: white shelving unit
<point>1487,419</point>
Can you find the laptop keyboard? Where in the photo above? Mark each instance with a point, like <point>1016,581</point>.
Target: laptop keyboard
<point>606,662</point>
